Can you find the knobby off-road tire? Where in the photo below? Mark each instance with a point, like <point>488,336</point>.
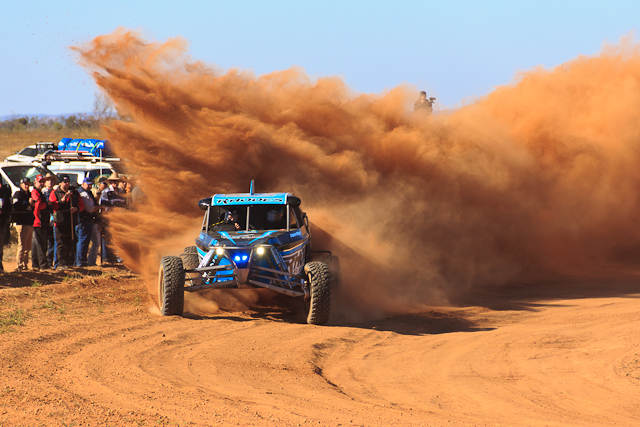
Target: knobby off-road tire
<point>190,258</point>
<point>171,286</point>
<point>318,308</point>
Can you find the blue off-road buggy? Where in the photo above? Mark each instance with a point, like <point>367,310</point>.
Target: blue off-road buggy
<point>252,240</point>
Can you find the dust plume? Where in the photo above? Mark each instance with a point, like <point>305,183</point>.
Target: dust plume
<point>538,179</point>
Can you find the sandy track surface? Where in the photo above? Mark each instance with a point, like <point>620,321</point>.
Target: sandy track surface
<point>91,352</point>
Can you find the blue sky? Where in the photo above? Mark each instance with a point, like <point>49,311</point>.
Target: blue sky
<point>455,50</point>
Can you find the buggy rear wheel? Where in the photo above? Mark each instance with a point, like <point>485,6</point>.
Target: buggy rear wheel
<point>190,258</point>
<point>318,306</point>
<point>171,286</point>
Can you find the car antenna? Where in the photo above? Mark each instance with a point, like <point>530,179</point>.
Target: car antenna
<point>251,188</point>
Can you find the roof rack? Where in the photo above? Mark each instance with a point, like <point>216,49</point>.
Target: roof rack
<point>79,149</point>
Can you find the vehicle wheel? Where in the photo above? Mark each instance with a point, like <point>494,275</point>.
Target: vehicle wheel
<point>318,307</point>
<point>171,286</point>
<point>335,273</point>
<point>190,259</point>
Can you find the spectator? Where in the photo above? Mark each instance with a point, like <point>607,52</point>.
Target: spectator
<point>423,104</point>
<point>39,244</point>
<point>122,185</point>
<point>137,197</point>
<point>128,194</point>
<point>66,205</point>
<point>84,229</point>
<point>50,181</point>
<point>110,199</point>
<point>23,218</point>
<point>98,226</point>
<point>5,217</point>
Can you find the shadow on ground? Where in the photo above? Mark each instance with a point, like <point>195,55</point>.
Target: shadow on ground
<point>535,295</point>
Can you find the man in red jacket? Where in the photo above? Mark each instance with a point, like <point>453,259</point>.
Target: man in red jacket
<point>39,242</point>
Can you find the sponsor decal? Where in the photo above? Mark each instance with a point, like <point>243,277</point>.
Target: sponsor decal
<point>248,200</point>
<point>296,233</point>
<point>226,236</point>
<point>294,262</point>
<point>245,237</point>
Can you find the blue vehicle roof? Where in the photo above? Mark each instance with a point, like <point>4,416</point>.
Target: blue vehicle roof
<point>88,145</point>
<point>249,199</point>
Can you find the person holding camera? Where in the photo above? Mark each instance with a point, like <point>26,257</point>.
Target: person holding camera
<point>66,205</point>
<point>85,227</point>
<point>424,104</point>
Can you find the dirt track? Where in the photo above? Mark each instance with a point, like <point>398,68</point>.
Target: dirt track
<point>93,352</point>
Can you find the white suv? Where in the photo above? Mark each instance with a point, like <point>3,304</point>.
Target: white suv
<point>79,170</point>
<point>30,152</point>
<point>12,172</point>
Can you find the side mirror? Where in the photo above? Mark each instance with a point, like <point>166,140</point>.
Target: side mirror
<point>204,203</point>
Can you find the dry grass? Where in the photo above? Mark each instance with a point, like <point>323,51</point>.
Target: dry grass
<point>12,141</point>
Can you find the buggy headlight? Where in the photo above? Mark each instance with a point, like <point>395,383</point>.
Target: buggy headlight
<point>260,251</point>
<point>219,251</point>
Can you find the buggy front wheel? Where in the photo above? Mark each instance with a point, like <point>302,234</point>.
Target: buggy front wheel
<point>171,286</point>
<point>318,306</point>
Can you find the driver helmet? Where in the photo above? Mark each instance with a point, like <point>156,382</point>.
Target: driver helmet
<point>229,214</point>
<point>274,215</point>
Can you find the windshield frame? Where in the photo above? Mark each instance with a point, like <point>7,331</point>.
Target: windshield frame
<point>213,216</point>
<point>34,170</point>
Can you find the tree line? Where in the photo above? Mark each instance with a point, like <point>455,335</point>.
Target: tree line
<point>103,112</point>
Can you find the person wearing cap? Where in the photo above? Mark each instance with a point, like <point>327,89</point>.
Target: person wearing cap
<point>110,199</point>
<point>5,217</point>
<point>47,221</point>
<point>84,229</point>
<point>66,205</point>
<point>23,219</point>
<point>39,242</point>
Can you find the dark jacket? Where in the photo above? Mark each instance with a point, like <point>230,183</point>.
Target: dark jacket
<point>5,205</point>
<point>426,106</point>
<point>112,199</point>
<point>61,210</point>
<point>22,210</point>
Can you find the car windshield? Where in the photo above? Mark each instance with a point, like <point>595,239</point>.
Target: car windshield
<point>73,177</point>
<point>16,173</point>
<point>261,217</point>
<point>31,152</point>
<point>98,173</point>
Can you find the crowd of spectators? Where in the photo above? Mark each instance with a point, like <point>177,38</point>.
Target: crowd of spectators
<point>62,226</point>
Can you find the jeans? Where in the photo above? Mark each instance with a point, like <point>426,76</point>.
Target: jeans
<point>39,248</point>
<point>83,233</point>
<point>107,254</point>
<point>4,234</point>
<point>95,245</point>
<point>51,246</point>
